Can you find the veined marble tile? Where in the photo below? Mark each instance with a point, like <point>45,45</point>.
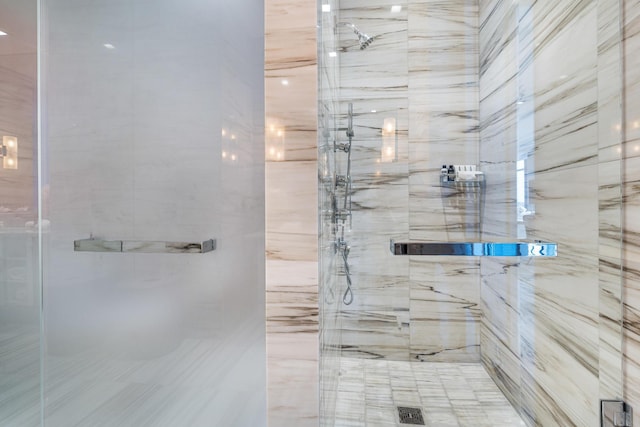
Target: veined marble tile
<point>374,334</point>
<point>291,204</point>
<point>291,221</point>
<point>558,337</point>
<point>631,365</point>
<point>292,297</point>
<point>502,363</point>
<point>610,112</point>
<point>500,332</point>
<point>565,85</point>
<point>443,100</point>
<point>631,251</point>
<point>562,102</point>
<point>611,317</point>
<point>291,56</point>
<point>460,394</point>
<point>293,378</point>
<point>445,310</point>
<point>500,301</point>
<point>566,112</point>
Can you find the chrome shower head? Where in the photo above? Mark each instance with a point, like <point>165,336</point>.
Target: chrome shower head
<point>363,39</point>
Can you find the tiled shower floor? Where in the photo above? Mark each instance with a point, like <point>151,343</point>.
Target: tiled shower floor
<point>449,394</point>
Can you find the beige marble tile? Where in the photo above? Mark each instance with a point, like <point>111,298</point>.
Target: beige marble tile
<point>291,56</point>
<point>291,212</point>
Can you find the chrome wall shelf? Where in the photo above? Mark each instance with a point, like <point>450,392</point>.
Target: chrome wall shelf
<point>467,184</point>
<point>537,249</point>
<point>138,246</point>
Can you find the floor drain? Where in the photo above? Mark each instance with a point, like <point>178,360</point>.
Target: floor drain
<point>410,416</point>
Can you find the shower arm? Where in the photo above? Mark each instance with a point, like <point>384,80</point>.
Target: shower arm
<point>355,29</point>
<point>363,39</point>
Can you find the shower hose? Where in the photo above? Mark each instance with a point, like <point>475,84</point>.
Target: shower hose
<point>347,298</point>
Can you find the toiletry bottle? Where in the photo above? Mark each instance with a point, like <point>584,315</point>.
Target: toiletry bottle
<point>451,173</point>
<point>443,173</point>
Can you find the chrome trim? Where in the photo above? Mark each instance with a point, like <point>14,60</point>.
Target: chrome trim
<point>615,413</point>
<point>138,246</point>
<point>492,249</point>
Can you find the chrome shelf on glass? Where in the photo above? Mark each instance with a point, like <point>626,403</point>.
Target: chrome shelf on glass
<point>463,184</point>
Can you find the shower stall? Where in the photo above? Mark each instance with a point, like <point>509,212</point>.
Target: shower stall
<point>132,218</point>
<point>487,155</point>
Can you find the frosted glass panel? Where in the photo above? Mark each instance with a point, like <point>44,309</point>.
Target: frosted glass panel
<point>154,119</point>
<point>19,273</point>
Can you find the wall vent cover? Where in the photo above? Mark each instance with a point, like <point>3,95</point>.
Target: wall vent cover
<point>410,416</point>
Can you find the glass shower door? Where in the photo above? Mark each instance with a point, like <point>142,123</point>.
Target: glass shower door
<point>502,205</point>
<point>20,295</point>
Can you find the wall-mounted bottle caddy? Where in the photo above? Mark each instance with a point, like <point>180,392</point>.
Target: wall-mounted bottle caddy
<point>462,191</point>
<point>461,176</point>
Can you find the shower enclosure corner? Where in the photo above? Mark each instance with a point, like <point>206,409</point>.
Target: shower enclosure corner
<point>485,149</point>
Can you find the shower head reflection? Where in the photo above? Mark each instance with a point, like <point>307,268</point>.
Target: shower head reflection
<point>363,39</point>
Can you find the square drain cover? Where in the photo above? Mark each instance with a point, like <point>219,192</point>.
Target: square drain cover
<point>410,416</point>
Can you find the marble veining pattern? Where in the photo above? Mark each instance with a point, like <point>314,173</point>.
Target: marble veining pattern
<point>631,196</point>
<point>421,70</point>
<point>443,115</point>
<point>291,212</point>
<point>549,330</point>
<point>610,168</point>
<point>449,394</point>
<point>375,81</point>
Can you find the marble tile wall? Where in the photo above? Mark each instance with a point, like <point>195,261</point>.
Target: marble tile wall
<point>610,172</point>
<point>420,70</point>
<point>631,214</point>
<point>500,293</point>
<point>375,81</point>
<point>550,328</point>
<point>443,115</point>
<point>291,212</point>
<point>564,106</point>
<point>448,394</point>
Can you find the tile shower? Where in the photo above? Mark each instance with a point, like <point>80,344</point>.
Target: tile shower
<point>519,341</point>
<point>509,87</point>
